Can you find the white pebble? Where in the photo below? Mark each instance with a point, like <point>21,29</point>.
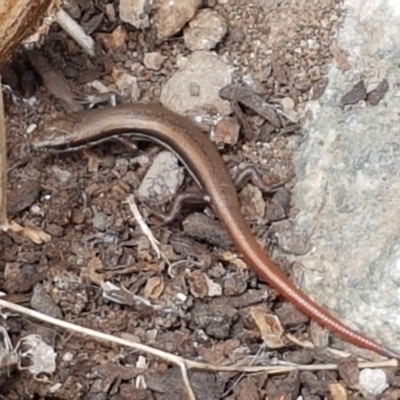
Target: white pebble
<point>373,381</point>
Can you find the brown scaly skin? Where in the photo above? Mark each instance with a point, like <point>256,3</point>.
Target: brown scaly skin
<point>155,123</point>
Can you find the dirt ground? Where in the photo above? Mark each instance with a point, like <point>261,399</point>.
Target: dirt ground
<point>200,302</point>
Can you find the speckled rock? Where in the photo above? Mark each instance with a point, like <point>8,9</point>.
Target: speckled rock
<point>348,188</point>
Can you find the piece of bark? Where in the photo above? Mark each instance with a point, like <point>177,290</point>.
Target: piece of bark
<point>18,19</point>
<point>3,168</point>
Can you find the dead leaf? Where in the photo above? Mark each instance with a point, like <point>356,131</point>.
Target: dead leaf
<point>269,325</point>
<point>198,284</point>
<point>33,234</point>
<point>93,161</point>
<point>214,288</point>
<point>90,272</point>
<point>114,40</point>
<point>234,259</point>
<point>154,288</point>
<point>338,392</point>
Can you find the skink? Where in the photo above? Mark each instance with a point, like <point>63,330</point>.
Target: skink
<point>199,155</point>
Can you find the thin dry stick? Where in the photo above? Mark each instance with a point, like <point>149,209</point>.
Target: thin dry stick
<point>186,380</point>
<point>75,31</point>
<point>142,224</point>
<point>3,168</point>
<point>145,228</point>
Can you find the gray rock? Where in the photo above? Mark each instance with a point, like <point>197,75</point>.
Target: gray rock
<point>348,191</point>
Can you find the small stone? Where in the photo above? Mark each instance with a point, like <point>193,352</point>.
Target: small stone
<point>205,30</point>
<point>315,73</point>
<point>134,13</point>
<point>54,230</point>
<point>290,238</point>
<point>194,89</point>
<point>216,320</point>
<point>206,70</point>
<point>253,204</point>
<point>374,381</point>
<point>72,8</point>
<point>234,285</point>
<point>200,226</point>
<point>99,221</point>
<point>61,174</point>
<point>110,11</point>
<point>356,94</point>
<point>266,131</point>
<point>21,278</point>
<point>163,179</point>
<point>171,16</point>
<point>126,83</point>
<point>290,316</point>
<point>287,104</point>
<point>226,131</point>
<point>377,94</point>
<point>42,302</point>
<point>78,217</point>
<point>153,60</point>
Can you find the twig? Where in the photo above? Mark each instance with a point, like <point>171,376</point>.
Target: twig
<point>75,31</point>
<point>3,168</point>
<point>145,229</point>
<point>186,381</point>
<point>179,360</point>
<point>239,378</point>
